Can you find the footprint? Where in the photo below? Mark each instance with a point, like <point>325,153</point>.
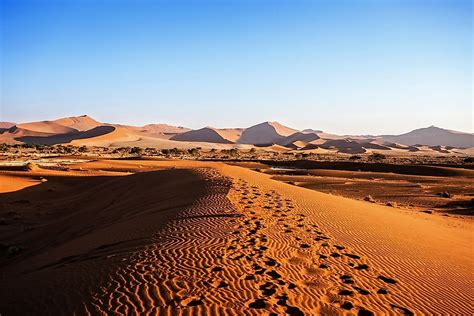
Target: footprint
<point>294,311</point>
<point>345,292</point>
<point>364,312</point>
<point>403,310</point>
<point>249,277</point>
<point>270,262</point>
<point>345,278</point>
<point>274,274</point>
<point>216,269</point>
<point>352,256</point>
<point>387,280</point>
<point>191,301</point>
<point>220,284</point>
<point>361,291</point>
<point>267,289</point>
<point>347,305</point>
<point>258,304</point>
<point>362,267</point>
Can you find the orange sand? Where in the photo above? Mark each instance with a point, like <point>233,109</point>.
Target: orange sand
<point>209,238</point>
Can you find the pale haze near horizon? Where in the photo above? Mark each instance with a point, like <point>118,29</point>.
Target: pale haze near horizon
<point>346,67</point>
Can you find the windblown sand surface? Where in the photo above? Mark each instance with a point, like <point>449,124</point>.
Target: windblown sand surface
<point>208,238</point>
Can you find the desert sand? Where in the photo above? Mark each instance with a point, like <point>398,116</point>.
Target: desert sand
<point>207,238</point>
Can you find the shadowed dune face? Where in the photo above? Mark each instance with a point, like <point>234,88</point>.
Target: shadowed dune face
<point>67,138</point>
<point>88,225</point>
<point>344,146</point>
<point>6,125</point>
<point>205,134</point>
<point>301,138</point>
<point>46,127</point>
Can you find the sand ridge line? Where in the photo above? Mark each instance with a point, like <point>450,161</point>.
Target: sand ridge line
<point>240,250</point>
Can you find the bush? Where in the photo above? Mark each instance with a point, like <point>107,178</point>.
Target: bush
<point>376,157</point>
<point>233,152</point>
<point>194,151</point>
<point>469,160</point>
<point>136,150</point>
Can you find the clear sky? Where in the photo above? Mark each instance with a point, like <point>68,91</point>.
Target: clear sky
<point>379,66</point>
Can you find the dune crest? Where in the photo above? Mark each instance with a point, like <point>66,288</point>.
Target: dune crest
<point>80,123</point>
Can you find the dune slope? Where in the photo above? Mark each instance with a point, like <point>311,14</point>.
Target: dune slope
<point>90,225</point>
<point>216,239</point>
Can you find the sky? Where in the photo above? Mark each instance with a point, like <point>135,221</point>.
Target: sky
<point>347,67</point>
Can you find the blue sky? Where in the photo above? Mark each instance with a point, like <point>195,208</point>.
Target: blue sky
<point>340,66</point>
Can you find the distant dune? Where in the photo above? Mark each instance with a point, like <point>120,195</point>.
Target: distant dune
<point>48,127</point>
<point>6,125</point>
<point>211,135</point>
<point>301,138</point>
<point>84,130</point>
<point>164,129</point>
<point>91,134</point>
<point>80,123</point>
<point>105,136</point>
<point>344,146</point>
<point>433,136</point>
<point>266,133</point>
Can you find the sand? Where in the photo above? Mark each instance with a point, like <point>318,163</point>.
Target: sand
<point>202,238</point>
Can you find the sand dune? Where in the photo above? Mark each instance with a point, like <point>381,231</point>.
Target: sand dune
<point>210,239</point>
<point>6,125</point>
<point>80,123</point>
<point>164,129</point>
<point>109,136</point>
<point>300,137</point>
<point>48,127</point>
<point>344,146</point>
<point>93,134</point>
<point>433,136</point>
<point>210,135</point>
<point>265,133</point>
<point>161,131</point>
